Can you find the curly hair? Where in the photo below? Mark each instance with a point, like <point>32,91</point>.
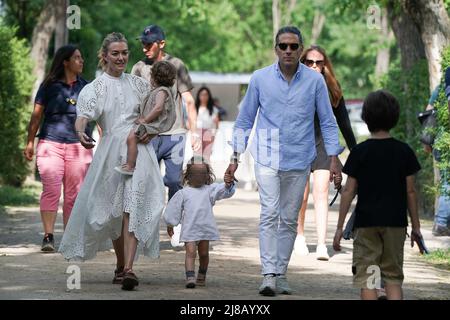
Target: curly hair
<point>164,73</point>
<point>195,179</point>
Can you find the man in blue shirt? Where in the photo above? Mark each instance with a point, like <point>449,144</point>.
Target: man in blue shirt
<point>284,98</point>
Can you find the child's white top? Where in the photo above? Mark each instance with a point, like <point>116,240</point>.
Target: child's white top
<point>192,207</point>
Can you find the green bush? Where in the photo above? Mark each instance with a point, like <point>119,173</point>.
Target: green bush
<point>442,141</point>
<point>412,91</point>
<point>25,196</point>
<point>16,82</point>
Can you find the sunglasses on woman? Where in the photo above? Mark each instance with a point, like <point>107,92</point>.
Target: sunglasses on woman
<point>310,63</point>
<point>284,46</point>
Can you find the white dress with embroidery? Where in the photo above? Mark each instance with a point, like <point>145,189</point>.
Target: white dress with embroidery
<point>105,195</point>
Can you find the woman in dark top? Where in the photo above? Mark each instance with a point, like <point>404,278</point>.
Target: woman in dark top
<point>316,59</point>
<point>61,159</point>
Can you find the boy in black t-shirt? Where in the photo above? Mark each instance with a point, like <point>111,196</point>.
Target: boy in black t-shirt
<point>381,170</point>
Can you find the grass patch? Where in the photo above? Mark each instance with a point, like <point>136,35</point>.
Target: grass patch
<point>28,195</point>
<point>440,258</point>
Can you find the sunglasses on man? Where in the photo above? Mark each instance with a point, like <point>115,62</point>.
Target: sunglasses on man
<point>284,46</point>
<point>318,63</point>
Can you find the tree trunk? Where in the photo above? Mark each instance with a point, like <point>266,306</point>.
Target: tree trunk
<point>411,52</point>
<point>290,9</point>
<point>42,35</point>
<point>61,31</point>
<point>433,23</point>
<point>276,17</point>
<point>318,23</point>
<point>383,55</point>
<point>407,36</point>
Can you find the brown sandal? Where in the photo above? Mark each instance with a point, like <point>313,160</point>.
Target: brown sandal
<point>118,276</point>
<point>129,280</point>
<point>201,280</point>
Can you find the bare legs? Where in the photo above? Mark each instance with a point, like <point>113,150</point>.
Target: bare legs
<point>125,247</point>
<point>203,253</point>
<point>320,195</point>
<point>48,220</point>
<point>302,214</point>
<point>132,151</point>
<point>191,254</point>
<point>393,292</point>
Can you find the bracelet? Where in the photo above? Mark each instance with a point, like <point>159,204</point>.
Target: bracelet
<point>234,159</point>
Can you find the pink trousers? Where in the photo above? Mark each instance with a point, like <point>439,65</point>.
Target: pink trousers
<point>61,164</point>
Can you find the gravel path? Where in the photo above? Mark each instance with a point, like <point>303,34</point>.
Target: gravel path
<point>233,271</point>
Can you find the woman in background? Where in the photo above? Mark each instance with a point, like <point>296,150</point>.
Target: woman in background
<point>61,159</point>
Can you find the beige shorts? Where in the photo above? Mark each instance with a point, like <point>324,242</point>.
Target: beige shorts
<point>378,252</point>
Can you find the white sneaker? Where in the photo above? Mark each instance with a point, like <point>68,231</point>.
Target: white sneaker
<point>300,246</point>
<point>268,286</point>
<point>175,240</point>
<point>282,285</point>
<point>322,252</point>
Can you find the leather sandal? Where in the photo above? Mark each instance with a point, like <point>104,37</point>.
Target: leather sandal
<point>129,280</point>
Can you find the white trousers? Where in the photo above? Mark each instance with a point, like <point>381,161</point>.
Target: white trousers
<point>281,194</point>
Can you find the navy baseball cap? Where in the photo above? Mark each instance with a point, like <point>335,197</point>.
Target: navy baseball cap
<point>152,34</point>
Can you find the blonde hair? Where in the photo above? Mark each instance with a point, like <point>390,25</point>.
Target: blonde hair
<point>334,89</point>
<point>103,51</point>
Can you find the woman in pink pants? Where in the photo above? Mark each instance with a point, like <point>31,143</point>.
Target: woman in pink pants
<point>61,160</point>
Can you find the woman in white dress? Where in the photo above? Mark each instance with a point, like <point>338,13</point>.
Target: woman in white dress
<point>125,209</point>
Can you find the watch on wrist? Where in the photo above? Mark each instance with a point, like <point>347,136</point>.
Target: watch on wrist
<point>234,159</point>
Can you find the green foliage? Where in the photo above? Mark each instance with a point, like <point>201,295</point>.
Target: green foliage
<point>15,87</point>
<point>221,36</point>
<point>411,90</point>
<point>442,141</point>
<point>439,258</point>
<point>12,196</point>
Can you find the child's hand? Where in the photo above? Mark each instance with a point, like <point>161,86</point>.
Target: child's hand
<point>337,240</point>
<point>140,120</point>
<point>416,236</point>
<point>228,179</point>
<point>170,231</point>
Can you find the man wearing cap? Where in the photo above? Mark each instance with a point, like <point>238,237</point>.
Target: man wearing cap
<point>169,145</point>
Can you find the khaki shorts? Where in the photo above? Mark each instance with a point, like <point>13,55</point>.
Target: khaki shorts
<point>378,252</point>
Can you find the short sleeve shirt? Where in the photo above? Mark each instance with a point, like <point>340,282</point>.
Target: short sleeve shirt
<point>182,84</point>
<point>380,167</point>
<point>60,100</point>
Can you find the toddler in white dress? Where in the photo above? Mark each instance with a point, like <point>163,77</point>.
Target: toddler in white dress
<point>192,207</point>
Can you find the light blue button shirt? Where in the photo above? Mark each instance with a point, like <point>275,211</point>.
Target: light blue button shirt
<point>284,133</point>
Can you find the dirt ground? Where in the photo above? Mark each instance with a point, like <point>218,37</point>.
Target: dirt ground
<point>234,271</point>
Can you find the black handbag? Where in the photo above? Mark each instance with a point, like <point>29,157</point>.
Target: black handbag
<point>428,121</point>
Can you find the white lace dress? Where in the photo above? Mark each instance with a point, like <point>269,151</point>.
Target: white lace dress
<point>105,195</point>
